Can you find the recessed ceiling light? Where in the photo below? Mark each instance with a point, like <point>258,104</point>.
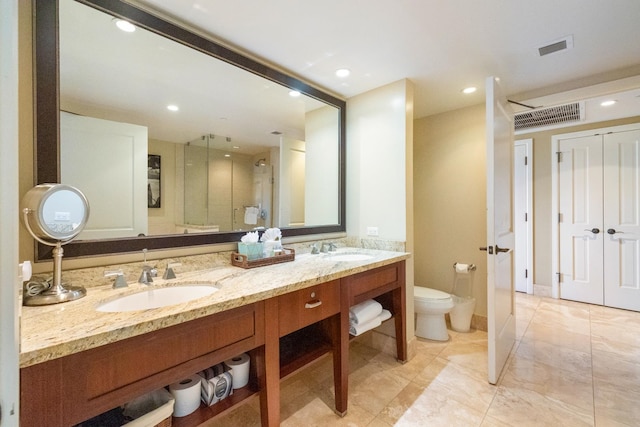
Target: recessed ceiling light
<point>227,155</point>
<point>294,93</point>
<point>125,26</point>
<point>343,72</point>
<point>172,107</point>
<point>468,90</point>
<point>608,103</point>
<point>236,147</point>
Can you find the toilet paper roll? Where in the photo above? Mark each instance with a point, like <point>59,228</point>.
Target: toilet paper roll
<point>462,268</point>
<point>186,394</point>
<point>239,366</point>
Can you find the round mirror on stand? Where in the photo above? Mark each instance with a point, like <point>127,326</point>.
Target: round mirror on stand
<point>54,214</point>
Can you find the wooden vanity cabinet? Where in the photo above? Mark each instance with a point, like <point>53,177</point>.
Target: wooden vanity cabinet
<point>281,334</point>
<point>74,388</point>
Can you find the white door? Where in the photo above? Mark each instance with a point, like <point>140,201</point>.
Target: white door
<point>622,220</point>
<point>599,218</point>
<point>580,219</point>
<point>117,170</point>
<point>523,203</point>
<point>500,233</point>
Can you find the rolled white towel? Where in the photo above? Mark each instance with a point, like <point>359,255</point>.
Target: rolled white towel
<point>361,328</point>
<point>365,311</point>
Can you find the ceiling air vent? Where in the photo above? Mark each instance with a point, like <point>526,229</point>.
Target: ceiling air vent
<point>556,46</point>
<point>559,114</point>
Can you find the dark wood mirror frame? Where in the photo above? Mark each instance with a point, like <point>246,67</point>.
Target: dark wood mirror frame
<point>47,122</point>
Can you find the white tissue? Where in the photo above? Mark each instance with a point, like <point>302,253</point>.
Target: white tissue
<point>271,234</point>
<point>250,237</point>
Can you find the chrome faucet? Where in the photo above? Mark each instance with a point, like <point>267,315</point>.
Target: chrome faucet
<point>119,282</point>
<point>169,273</point>
<point>148,272</point>
<point>328,247</point>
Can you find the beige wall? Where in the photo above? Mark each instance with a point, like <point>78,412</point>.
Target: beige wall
<point>450,199</point>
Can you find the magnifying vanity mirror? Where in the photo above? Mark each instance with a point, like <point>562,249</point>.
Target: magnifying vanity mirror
<point>239,153</point>
<point>54,214</point>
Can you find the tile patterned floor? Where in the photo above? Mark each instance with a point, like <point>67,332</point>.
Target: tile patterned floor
<point>573,365</point>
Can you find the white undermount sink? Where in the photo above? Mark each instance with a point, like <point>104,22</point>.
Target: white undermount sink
<point>156,298</point>
<point>349,256</point>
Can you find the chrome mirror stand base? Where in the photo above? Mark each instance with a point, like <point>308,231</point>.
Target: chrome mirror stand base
<point>56,296</point>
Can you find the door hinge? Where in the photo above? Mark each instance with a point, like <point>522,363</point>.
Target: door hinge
<point>526,217</point>
<point>559,277</point>
<point>559,218</point>
<point>526,273</point>
<point>559,153</point>
<point>526,160</point>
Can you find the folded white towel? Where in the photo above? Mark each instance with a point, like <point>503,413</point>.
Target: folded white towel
<point>385,315</point>
<point>251,215</point>
<point>365,311</point>
<point>361,328</point>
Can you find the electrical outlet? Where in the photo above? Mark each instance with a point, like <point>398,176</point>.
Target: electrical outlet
<point>372,231</point>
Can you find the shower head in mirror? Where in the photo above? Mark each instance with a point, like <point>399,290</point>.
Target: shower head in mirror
<point>261,162</point>
<point>54,214</point>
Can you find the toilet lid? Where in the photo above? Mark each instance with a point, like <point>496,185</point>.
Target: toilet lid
<point>428,293</point>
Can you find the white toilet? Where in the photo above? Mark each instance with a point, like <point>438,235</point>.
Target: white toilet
<point>430,306</point>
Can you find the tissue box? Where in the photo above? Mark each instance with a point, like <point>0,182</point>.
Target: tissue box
<point>251,250</point>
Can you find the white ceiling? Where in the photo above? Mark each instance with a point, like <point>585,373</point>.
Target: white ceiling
<point>440,45</point>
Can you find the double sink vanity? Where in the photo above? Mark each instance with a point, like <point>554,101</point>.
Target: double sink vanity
<point>85,357</point>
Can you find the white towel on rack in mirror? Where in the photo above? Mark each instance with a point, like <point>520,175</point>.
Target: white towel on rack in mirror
<point>251,215</point>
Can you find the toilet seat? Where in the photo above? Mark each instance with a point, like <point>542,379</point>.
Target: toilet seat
<point>428,293</point>
<point>433,297</point>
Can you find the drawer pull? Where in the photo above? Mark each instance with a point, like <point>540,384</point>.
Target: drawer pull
<point>313,304</point>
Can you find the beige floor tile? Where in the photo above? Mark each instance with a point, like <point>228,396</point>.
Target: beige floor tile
<point>574,389</point>
<point>555,356</point>
<point>558,336</point>
<point>620,369</point>
<point>373,389</point>
<point>616,403</point>
<point>471,355</point>
<point>435,407</point>
<point>312,411</point>
<point>523,408</point>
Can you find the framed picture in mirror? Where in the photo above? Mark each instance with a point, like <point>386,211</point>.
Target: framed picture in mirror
<point>153,181</point>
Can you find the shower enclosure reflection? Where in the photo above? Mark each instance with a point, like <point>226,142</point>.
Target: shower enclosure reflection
<point>224,190</point>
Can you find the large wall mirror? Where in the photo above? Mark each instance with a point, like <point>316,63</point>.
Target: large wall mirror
<point>176,140</point>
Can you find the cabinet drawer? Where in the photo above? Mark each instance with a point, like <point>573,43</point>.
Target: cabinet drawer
<point>368,281</point>
<point>304,307</point>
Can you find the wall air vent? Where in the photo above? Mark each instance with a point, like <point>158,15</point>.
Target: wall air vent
<point>550,116</point>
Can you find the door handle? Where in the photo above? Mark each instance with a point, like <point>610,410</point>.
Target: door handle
<point>597,230</point>
<point>613,231</point>
<point>499,249</point>
<point>487,249</point>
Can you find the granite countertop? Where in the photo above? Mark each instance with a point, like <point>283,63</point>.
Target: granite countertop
<point>54,331</point>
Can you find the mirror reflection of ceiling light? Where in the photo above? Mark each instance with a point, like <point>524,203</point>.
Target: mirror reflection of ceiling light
<point>125,26</point>
<point>172,107</point>
<point>343,72</point>
<point>469,90</point>
<point>608,103</point>
<point>294,93</point>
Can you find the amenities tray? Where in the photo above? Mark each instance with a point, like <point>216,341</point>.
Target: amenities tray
<point>240,260</point>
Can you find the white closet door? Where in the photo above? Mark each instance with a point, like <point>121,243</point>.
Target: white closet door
<point>622,220</point>
<point>581,218</point>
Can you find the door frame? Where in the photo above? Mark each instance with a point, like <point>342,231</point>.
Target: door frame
<point>528,143</point>
<point>555,201</point>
